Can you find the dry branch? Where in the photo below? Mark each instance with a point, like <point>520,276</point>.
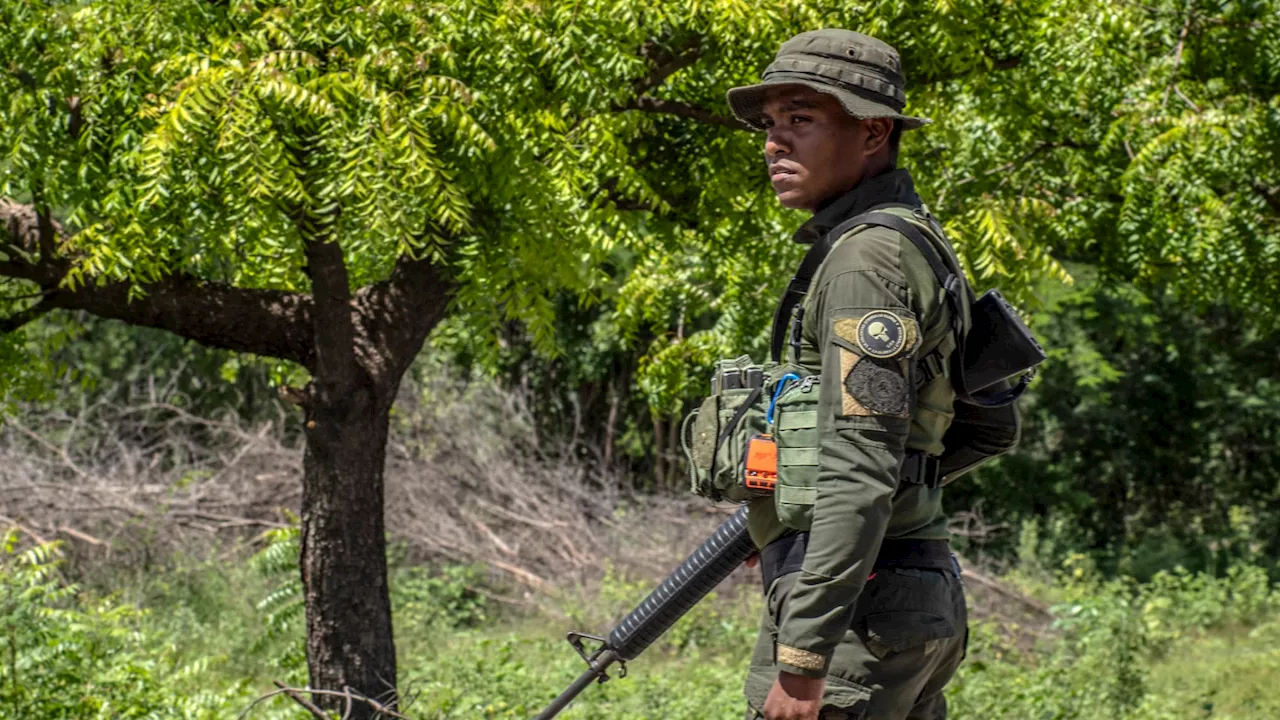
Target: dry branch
<point>466,483</point>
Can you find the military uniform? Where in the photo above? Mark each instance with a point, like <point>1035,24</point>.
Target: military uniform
<point>869,597</point>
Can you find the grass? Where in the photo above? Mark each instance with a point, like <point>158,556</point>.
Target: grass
<point>212,634</point>
<point>1231,675</point>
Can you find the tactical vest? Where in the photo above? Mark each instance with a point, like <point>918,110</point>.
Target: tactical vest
<point>757,433</point>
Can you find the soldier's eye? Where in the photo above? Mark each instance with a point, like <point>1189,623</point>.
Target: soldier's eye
<point>799,119</point>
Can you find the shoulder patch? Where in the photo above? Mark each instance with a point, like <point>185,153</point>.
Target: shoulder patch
<point>879,333</point>
<point>879,387</point>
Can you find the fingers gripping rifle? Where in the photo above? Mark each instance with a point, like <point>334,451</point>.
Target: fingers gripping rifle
<point>705,567</point>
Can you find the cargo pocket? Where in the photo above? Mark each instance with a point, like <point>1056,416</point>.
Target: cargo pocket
<point>844,699</point>
<point>899,631</point>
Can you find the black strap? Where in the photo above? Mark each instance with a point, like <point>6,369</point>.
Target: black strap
<point>947,278</point>
<point>956,290</point>
<point>799,285</point>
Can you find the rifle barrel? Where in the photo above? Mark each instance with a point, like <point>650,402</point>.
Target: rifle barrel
<point>598,666</point>
<point>705,568</point>
<point>698,575</point>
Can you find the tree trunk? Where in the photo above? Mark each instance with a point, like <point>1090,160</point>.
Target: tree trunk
<point>344,558</point>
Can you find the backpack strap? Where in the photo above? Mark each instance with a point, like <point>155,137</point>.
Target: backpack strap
<point>799,286</point>
<point>790,312</point>
<point>954,285</point>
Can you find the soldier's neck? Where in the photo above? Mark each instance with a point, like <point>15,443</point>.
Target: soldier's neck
<point>874,169</point>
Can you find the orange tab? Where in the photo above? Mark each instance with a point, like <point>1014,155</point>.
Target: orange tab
<point>762,464</point>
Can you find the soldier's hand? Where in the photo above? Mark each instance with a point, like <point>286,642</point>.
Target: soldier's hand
<point>794,697</point>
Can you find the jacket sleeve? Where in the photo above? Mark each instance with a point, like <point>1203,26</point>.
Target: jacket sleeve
<point>868,335</point>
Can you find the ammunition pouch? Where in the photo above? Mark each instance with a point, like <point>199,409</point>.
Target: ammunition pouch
<point>773,408</point>
<point>795,428</point>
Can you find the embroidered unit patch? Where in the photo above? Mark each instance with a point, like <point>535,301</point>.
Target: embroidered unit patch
<point>881,334</point>
<point>874,363</point>
<point>849,405</point>
<point>878,386</point>
<point>800,658</point>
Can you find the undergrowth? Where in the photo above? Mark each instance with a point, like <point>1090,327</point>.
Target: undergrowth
<point>206,637</point>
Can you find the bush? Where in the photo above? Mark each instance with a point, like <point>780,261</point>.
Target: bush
<point>71,656</point>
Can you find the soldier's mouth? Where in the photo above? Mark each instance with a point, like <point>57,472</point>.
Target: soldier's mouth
<point>778,173</point>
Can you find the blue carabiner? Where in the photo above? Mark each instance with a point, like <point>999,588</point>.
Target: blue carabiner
<point>777,391</point>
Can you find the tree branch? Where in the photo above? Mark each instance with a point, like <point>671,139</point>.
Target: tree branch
<point>680,109</point>
<point>46,233</point>
<point>333,327</point>
<point>1027,157</point>
<point>667,63</point>
<point>17,320</point>
<point>1177,55</point>
<point>396,315</point>
<point>264,322</point>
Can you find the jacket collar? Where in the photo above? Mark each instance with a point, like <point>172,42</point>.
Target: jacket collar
<point>894,187</point>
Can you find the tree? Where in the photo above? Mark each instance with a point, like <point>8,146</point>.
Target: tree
<point>305,182</point>
<point>324,182</point>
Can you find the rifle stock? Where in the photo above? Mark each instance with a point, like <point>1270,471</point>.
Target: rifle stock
<point>705,568</point>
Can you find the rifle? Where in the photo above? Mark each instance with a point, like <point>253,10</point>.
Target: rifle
<point>705,567</point>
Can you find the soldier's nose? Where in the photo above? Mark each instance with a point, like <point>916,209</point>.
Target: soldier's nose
<point>774,146</point>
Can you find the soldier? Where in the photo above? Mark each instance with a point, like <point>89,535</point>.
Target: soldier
<point>865,614</point>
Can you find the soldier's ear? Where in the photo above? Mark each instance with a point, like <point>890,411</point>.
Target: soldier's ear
<point>878,131</point>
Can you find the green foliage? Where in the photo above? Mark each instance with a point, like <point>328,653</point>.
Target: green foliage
<point>25,375</point>
<point>1116,642</point>
<point>282,609</point>
<point>1150,435</point>
<point>67,655</point>
<point>1183,646</point>
<point>446,599</point>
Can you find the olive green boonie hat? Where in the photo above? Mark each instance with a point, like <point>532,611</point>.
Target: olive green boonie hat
<point>863,73</point>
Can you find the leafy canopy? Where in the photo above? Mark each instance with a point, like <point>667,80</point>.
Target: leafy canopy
<point>585,145</point>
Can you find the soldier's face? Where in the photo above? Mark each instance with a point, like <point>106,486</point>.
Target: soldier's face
<point>814,149</point>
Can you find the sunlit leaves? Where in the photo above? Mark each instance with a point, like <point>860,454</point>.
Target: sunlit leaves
<point>504,139</point>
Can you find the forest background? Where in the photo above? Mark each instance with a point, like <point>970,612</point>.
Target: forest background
<point>230,224</point>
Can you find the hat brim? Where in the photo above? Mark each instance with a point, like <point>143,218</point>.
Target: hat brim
<point>747,103</point>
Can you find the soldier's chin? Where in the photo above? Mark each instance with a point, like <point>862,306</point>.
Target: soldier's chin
<point>794,198</point>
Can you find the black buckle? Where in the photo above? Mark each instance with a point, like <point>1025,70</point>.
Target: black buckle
<point>922,469</point>
<point>797,330</point>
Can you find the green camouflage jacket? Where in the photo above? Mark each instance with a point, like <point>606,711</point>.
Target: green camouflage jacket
<point>873,310</point>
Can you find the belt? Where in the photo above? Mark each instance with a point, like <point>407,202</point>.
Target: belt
<point>786,555</point>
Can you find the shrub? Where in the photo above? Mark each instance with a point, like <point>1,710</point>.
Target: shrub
<point>70,656</point>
